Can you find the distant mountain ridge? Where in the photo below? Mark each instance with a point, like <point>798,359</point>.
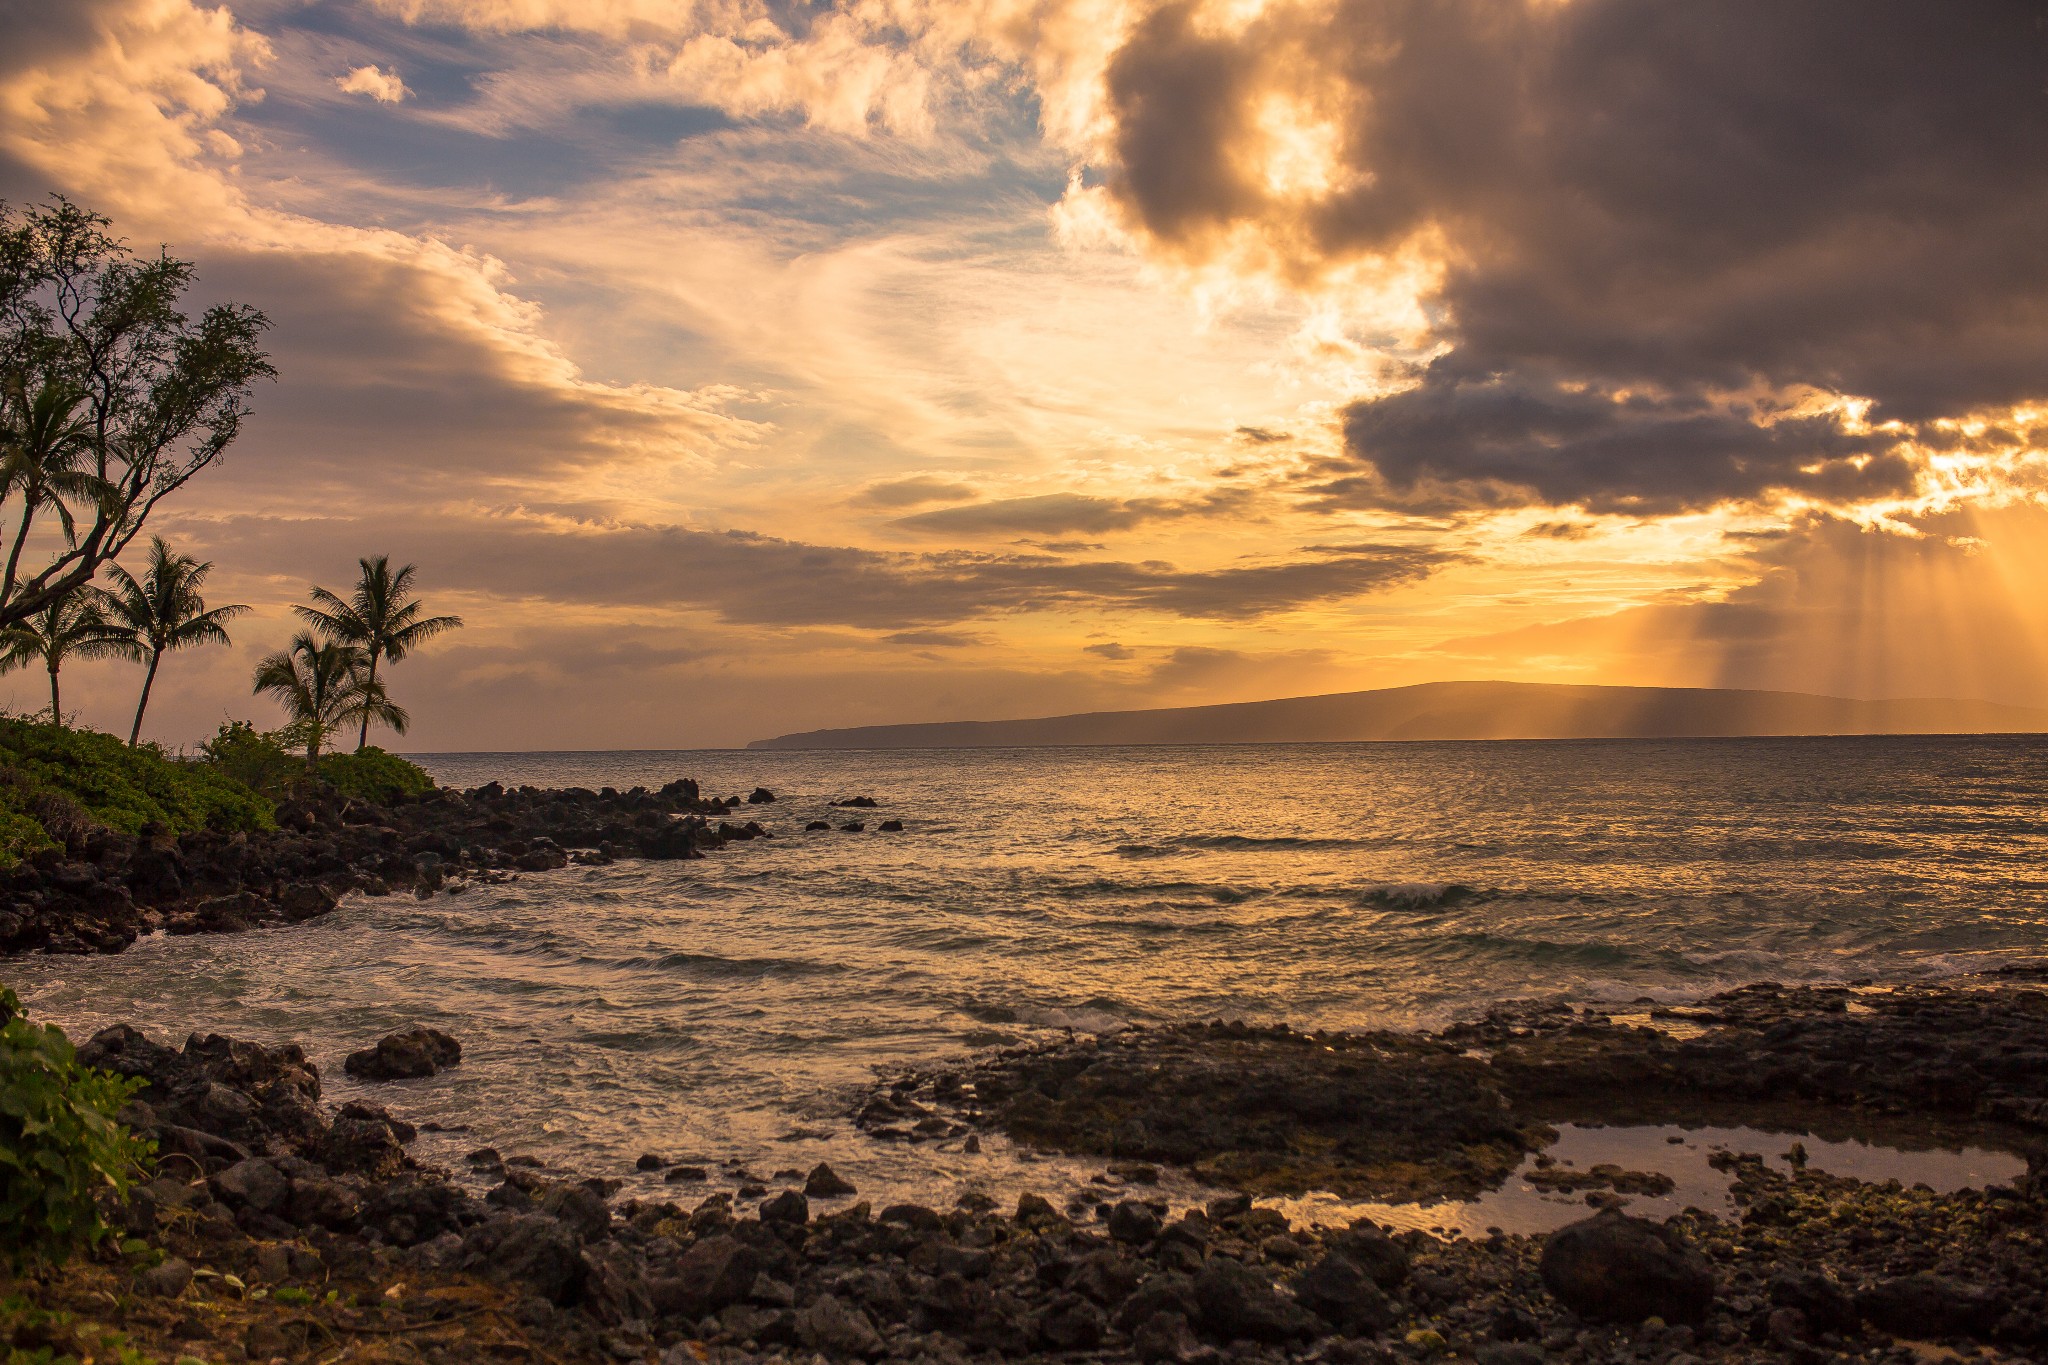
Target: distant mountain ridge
<point>1456,710</point>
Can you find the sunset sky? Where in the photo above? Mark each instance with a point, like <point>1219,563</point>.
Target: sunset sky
<point>737,367</point>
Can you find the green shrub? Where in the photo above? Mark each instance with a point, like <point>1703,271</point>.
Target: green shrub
<point>63,781</point>
<point>274,763</point>
<point>259,761</point>
<point>372,775</point>
<point>60,1147</point>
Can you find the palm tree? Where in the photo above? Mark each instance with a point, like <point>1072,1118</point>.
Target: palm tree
<point>322,686</point>
<point>47,445</point>
<point>68,626</point>
<point>379,618</point>
<point>161,613</point>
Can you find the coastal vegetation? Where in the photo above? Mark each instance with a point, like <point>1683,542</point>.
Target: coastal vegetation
<point>64,628</point>
<point>61,1146</point>
<point>112,399</point>
<point>265,763</point>
<point>115,398</point>
<point>162,611</point>
<point>58,784</point>
<point>381,619</point>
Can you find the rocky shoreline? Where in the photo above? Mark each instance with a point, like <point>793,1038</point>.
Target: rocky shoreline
<point>335,1238</point>
<point>105,888</point>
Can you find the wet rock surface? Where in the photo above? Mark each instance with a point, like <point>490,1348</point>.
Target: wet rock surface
<point>108,888</point>
<point>1397,1116</point>
<point>405,1054</point>
<point>258,1175</point>
<point>1615,1268</point>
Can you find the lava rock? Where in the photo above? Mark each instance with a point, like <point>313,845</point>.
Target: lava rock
<point>407,1054</point>
<point>168,1279</point>
<point>1379,1255</point>
<point>1342,1293</point>
<point>715,1272</point>
<point>1235,1302</point>
<point>1134,1221</point>
<point>252,1184</point>
<point>825,1183</point>
<point>1930,1305</point>
<point>1824,1304</point>
<point>1617,1268</point>
<point>529,1249</point>
<point>760,796</point>
<point>306,900</point>
<point>1165,1339</point>
<point>330,1204</point>
<point>788,1207</point>
<point>1071,1323</point>
<point>366,1140</point>
<point>829,1323</point>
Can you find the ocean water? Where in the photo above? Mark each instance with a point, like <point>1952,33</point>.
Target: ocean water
<point>725,1010</point>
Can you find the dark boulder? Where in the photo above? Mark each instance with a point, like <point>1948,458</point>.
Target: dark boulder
<point>1926,1305</point>
<point>1033,1209</point>
<point>825,1183</point>
<point>1379,1255</point>
<point>253,1184</point>
<point>1164,1339</point>
<point>409,1053</point>
<point>319,1202</point>
<point>365,1140</point>
<point>857,802</point>
<point>761,796</point>
<point>714,1272</point>
<point>1234,1302</point>
<point>156,874</point>
<point>1342,1293</point>
<point>302,901</point>
<point>1822,1302</point>
<point>528,1249</point>
<point>1620,1269</point>
<point>232,914</point>
<point>1071,1323</point>
<point>836,1327</point>
<point>1107,1277</point>
<point>1134,1221</point>
<point>788,1207</point>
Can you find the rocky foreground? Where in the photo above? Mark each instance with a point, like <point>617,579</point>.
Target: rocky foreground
<point>278,1229</point>
<point>107,888</point>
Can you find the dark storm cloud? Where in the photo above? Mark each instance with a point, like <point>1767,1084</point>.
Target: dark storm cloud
<point>753,579</point>
<point>1444,446</point>
<point>1649,213</point>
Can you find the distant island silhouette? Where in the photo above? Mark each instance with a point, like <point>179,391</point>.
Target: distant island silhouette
<point>1455,710</point>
